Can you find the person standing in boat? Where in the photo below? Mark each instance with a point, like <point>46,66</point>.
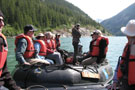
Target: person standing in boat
<point>125,71</point>
<point>98,49</point>
<point>25,51</point>
<point>76,34</point>
<point>6,80</point>
<point>41,48</point>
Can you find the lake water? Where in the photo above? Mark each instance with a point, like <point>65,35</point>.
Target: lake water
<point>116,45</point>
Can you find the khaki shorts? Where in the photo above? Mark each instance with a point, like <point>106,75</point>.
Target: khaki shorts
<point>89,61</point>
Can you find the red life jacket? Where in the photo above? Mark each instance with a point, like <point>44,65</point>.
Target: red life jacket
<point>69,60</point>
<point>131,65</point>
<point>3,54</point>
<point>30,46</point>
<point>49,44</point>
<point>53,44</point>
<point>43,49</point>
<point>95,45</point>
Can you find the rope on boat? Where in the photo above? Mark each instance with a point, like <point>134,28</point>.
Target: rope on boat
<point>36,86</point>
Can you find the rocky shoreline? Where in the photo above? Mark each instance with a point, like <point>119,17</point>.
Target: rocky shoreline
<point>84,32</point>
<point>67,33</point>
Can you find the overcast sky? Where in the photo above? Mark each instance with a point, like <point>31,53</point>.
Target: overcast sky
<point>101,9</point>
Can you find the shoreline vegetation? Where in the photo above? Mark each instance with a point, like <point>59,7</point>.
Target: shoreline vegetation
<point>64,32</point>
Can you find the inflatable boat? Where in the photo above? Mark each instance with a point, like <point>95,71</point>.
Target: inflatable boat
<point>63,77</point>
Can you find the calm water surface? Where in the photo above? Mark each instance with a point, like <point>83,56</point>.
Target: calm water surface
<point>116,45</point>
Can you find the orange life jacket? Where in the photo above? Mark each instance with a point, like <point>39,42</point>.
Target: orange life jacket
<point>49,44</point>
<point>30,46</point>
<point>95,45</point>
<point>43,49</point>
<point>69,60</point>
<point>131,65</point>
<point>53,44</point>
<point>3,53</point>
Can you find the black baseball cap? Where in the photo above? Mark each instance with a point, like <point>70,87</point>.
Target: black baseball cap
<point>29,28</point>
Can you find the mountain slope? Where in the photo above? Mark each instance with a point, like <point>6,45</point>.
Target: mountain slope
<point>114,24</point>
<point>44,14</point>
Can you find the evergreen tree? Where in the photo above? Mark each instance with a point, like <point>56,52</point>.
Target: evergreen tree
<point>43,14</point>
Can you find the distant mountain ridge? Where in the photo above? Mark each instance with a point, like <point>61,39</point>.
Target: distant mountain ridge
<point>114,24</point>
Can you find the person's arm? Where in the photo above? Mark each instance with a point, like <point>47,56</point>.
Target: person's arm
<point>115,79</point>
<point>1,43</point>
<point>49,51</point>
<point>102,47</point>
<point>72,32</point>
<point>76,33</point>
<point>79,34</point>
<point>115,74</point>
<point>20,50</point>
<point>37,50</point>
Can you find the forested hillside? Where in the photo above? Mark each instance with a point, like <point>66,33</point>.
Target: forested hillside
<point>44,14</point>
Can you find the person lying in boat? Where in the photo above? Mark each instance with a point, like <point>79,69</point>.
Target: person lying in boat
<point>25,51</point>
<point>98,49</point>
<point>51,51</point>
<point>41,48</point>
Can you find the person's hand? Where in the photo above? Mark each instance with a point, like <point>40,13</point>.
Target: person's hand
<point>84,54</point>
<point>26,63</point>
<point>112,86</point>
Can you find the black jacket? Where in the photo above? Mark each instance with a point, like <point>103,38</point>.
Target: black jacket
<point>76,35</point>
